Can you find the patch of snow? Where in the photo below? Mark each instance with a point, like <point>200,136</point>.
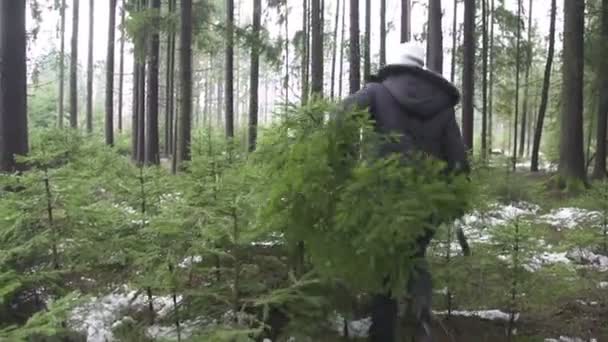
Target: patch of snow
<point>99,316</point>
<point>187,329</point>
<point>490,315</point>
<point>603,285</point>
<point>189,261</point>
<point>568,339</point>
<point>569,218</point>
<point>590,259</point>
<point>357,329</point>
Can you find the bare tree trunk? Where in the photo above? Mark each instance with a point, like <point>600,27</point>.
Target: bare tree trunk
<point>229,69</point>
<point>434,47</point>
<point>382,33</point>
<point>74,67</point>
<point>491,85</point>
<point>468,73</point>
<point>184,133</point>
<point>342,36</point>
<point>13,80</point>
<point>170,91</point>
<point>545,92</point>
<point>121,67</point>
<point>367,63</point>
<point>110,75</point>
<point>152,148</point>
<point>572,161</point>
<point>286,80</point>
<point>517,77</point>
<point>599,170</point>
<point>406,21</point>
<point>90,69</point>
<point>484,87</point>
<point>60,110</point>
<point>305,51</point>
<point>524,114</point>
<point>454,42</point>
<point>135,111</point>
<point>335,51</point>
<point>255,75</point>
<point>354,53</point>
<point>317,48</point>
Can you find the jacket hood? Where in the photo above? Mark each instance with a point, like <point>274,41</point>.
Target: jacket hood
<point>420,92</point>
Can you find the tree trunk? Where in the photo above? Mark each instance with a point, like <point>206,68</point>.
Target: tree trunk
<point>121,67</point>
<point>354,53</point>
<point>229,69</point>
<point>491,82</point>
<point>599,170</point>
<point>517,78</point>
<point>60,110</point>
<point>335,51</point>
<point>434,56</point>
<point>382,33</point>
<point>184,134</point>
<point>286,81</point>
<point>170,86</point>
<point>74,67</point>
<point>524,114</point>
<point>545,92</point>
<point>152,149</point>
<point>135,112</point>
<point>572,160</point>
<point>367,63</point>
<point>484,87</point>
<point>90,69</point>
<point>13,80</point>
<point>406,20</point>
<point>141,113</point>
<point>468,73</point>
<point>454,42</point>
<point>305,50</point>
<point>254,81</point>
<point>317,48</point>
<point>110,75</point>
<point>342,37</point>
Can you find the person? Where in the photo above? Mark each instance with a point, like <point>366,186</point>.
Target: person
<point>418,105</point>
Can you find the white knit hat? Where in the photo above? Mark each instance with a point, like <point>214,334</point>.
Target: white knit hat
<point>406,54</point>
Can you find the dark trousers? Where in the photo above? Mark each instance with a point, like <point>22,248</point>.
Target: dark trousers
<point>384,310</point>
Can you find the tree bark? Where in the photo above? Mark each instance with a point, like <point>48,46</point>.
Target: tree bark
<point>229,69</point>
<point>491,82</point>
<point>342,37</point>
<point>305,50</point>
<point>13,80</point>
<point>90,68</point>
<point>254,81</point>
<point>121,67</point>
<point>517,78</point>
<point>60,110</point>
<point>468,73</point>
<point>454,42</point>
<point>545,91</point>
<point>170,86</point>
<point>317,48</point>
<point>572,160</point>
<point>382,33</point>
<point>484,87</point>
<point>367,63</point>
<point>524,114</point>
<point>135,111</point>
<point>74,67</point>
<point>286,80</point>
<point>406,21</point>
<point>110,75</point>
<point>354,53</point>
<point>152,148</point>
<point>599,170</point>
<point>184,137</point>
<point>434,56</point>
<point>335,51</point>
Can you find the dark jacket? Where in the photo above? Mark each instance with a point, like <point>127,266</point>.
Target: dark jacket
<point>417,105</point>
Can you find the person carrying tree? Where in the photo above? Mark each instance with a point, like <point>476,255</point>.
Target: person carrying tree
<point>407,99</point>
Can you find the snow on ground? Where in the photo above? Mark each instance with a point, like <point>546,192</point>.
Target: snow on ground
<point>569,339</point>
<point>589,259</point>
<point>490,315</point>
<point>602,285</point>
<point>569,218</point>
<point>97,317</point>
<point>358,328</point>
